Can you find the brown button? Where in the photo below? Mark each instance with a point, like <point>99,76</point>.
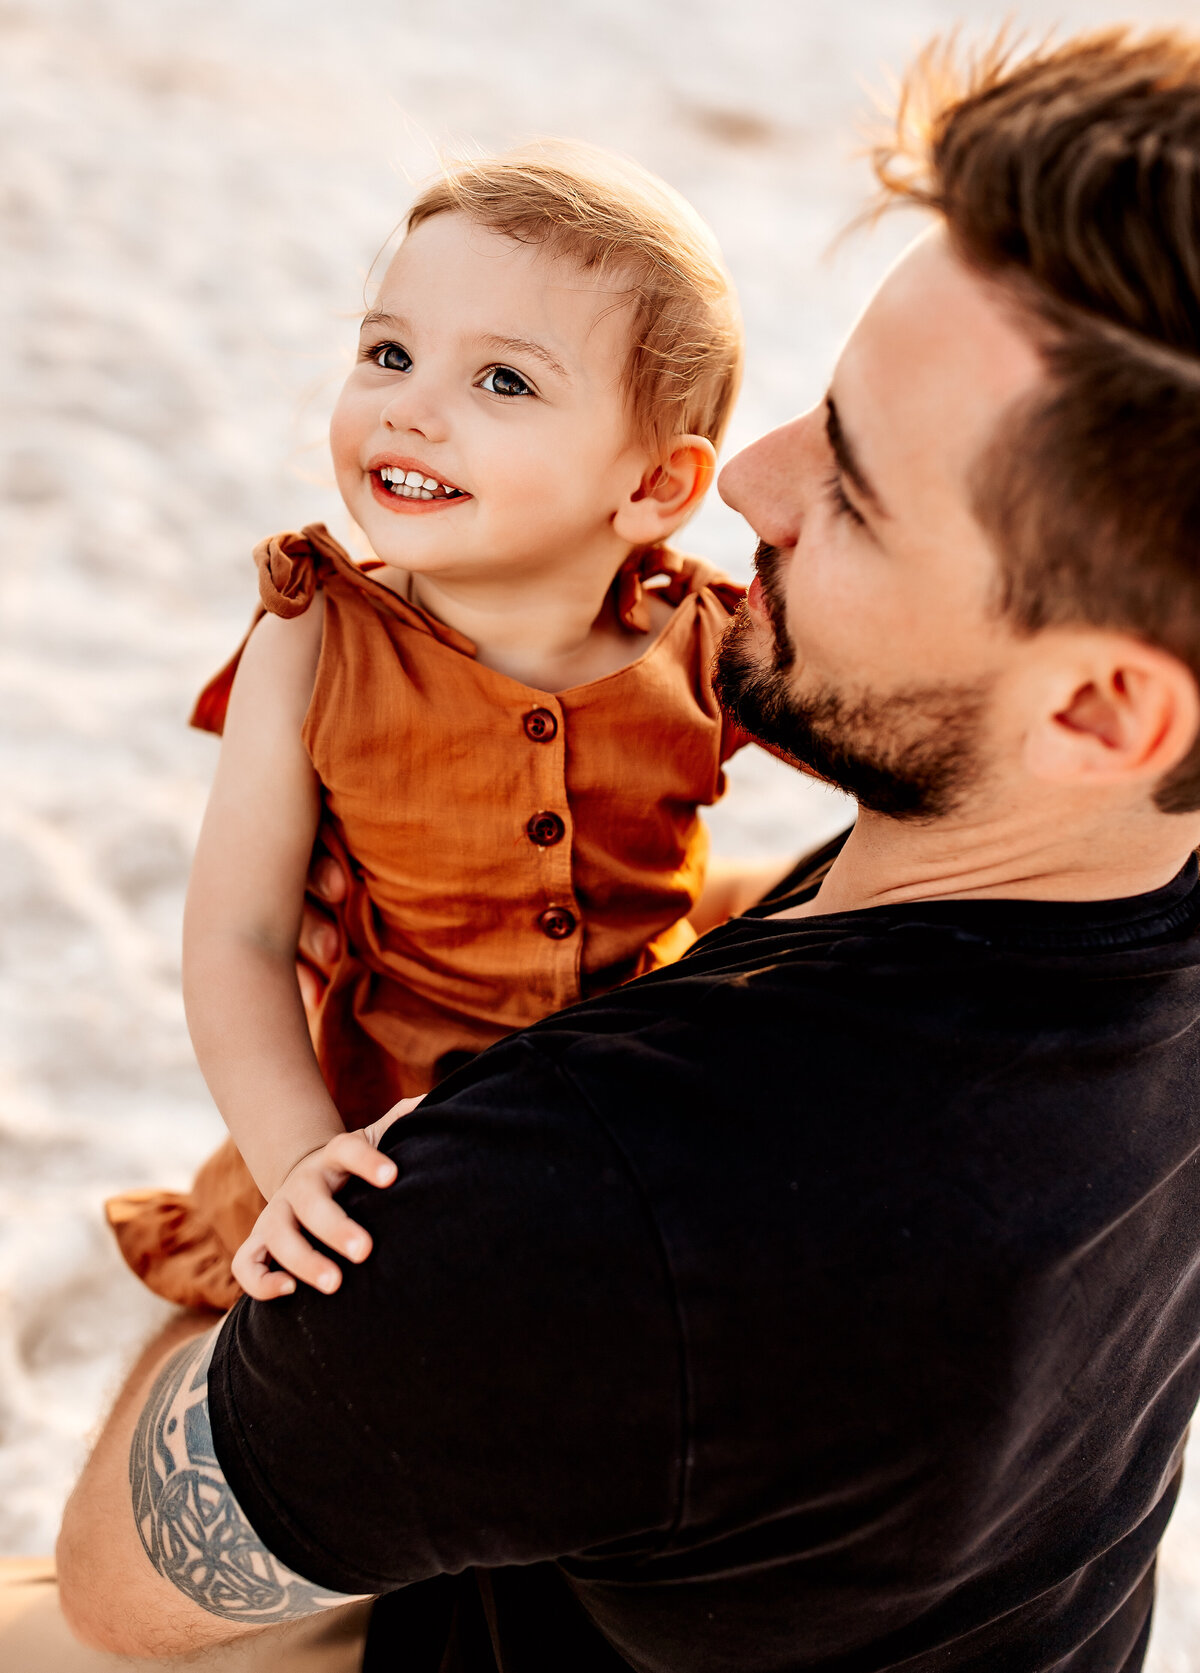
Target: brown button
<point>541,726</point>
<point>557,923</point>
<point>545,829</point>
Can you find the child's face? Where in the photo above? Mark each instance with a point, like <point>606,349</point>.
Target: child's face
<point>494,371</point>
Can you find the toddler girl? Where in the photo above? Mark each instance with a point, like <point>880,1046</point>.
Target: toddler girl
<point>502,725</point>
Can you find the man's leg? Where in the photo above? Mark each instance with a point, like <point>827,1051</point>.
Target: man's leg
<point>34,1637</point>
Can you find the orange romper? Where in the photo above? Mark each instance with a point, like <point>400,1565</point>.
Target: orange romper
<point>510,851</point>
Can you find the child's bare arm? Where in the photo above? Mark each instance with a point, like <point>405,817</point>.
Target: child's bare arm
<point>243,912</point>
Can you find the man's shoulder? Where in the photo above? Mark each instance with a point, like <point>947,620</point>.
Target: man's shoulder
<point>957,1048</point>
<point>515,1306</point>
<point>512,1187</point>
<point>923,1033</point>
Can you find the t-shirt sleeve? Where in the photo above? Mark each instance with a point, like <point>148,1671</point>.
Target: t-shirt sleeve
<point>499,1383</point>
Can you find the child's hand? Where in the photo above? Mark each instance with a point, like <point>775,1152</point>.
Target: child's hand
<point>304,1202</point>
<point>377,1129</point>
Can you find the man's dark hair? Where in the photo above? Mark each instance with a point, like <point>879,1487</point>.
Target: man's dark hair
<point>1071,176</point>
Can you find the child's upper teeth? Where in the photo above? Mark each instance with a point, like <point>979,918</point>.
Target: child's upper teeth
<point>398,478</point>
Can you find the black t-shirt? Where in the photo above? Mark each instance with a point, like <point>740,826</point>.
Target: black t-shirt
<point>829,1300</point>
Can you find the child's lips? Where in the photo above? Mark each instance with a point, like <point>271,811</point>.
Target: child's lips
<point>412,507</point>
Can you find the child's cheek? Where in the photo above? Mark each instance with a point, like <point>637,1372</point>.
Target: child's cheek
<point>343,433</point>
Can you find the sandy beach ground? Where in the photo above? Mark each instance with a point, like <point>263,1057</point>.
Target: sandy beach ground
<point>191,197</point>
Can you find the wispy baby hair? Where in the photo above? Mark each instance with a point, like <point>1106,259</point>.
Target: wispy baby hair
<point>616,220</point>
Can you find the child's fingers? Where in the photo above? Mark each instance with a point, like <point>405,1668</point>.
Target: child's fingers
<point>377,1129</point>
<point>312,988</point>
<point>318,1213</point>
<point>355,1153</point>
<point>405,1107</point>
<point>251,1268</point>
<point>296,1255</point>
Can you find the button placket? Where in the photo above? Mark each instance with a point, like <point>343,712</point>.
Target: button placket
<point>548,829</point>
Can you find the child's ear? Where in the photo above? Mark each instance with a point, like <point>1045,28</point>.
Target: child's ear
<point>668,492</point>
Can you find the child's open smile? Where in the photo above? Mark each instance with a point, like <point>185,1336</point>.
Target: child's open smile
<point>485,427</point>
<point>404,484</point>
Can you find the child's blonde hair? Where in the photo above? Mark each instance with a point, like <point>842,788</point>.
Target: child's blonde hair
<point>614,218</point>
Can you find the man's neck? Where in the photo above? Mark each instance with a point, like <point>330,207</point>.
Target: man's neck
<point>886,862</point>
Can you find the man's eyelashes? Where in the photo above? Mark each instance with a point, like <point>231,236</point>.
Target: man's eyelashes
<point>841,504</point>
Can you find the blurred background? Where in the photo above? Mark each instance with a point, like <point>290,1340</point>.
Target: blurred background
<point>191,196</point>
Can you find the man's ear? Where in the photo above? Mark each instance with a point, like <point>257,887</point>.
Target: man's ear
<point>668,492</point>
<point>1126,712</point>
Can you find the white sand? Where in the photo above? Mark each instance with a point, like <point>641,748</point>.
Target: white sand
<point>192,195</point>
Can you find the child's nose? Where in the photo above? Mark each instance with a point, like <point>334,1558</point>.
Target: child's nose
<point>415,408</point>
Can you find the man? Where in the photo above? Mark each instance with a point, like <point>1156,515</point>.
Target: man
<point>832,1299</point>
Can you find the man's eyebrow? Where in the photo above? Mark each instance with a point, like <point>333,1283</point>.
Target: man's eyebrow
<point>847,460</point>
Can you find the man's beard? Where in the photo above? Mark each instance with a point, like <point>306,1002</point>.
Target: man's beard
<point>909,754</point>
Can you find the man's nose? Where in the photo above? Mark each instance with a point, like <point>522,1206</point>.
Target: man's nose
<point>768,481</point>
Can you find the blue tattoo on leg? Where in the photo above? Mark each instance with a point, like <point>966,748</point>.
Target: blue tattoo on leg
<point>193,1529</point>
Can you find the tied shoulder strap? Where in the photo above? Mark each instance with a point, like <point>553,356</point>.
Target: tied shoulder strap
<point>289,574</point>
<point>684,575</point>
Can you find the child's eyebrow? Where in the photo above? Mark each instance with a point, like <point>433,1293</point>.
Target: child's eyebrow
<point>373,317</point>
<point>526,345</point>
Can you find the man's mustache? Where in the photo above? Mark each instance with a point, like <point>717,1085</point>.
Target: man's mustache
<point>768,561</point>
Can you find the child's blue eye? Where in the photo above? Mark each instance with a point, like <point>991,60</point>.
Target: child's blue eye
<point>391,357</point>
<point>502,380</point>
